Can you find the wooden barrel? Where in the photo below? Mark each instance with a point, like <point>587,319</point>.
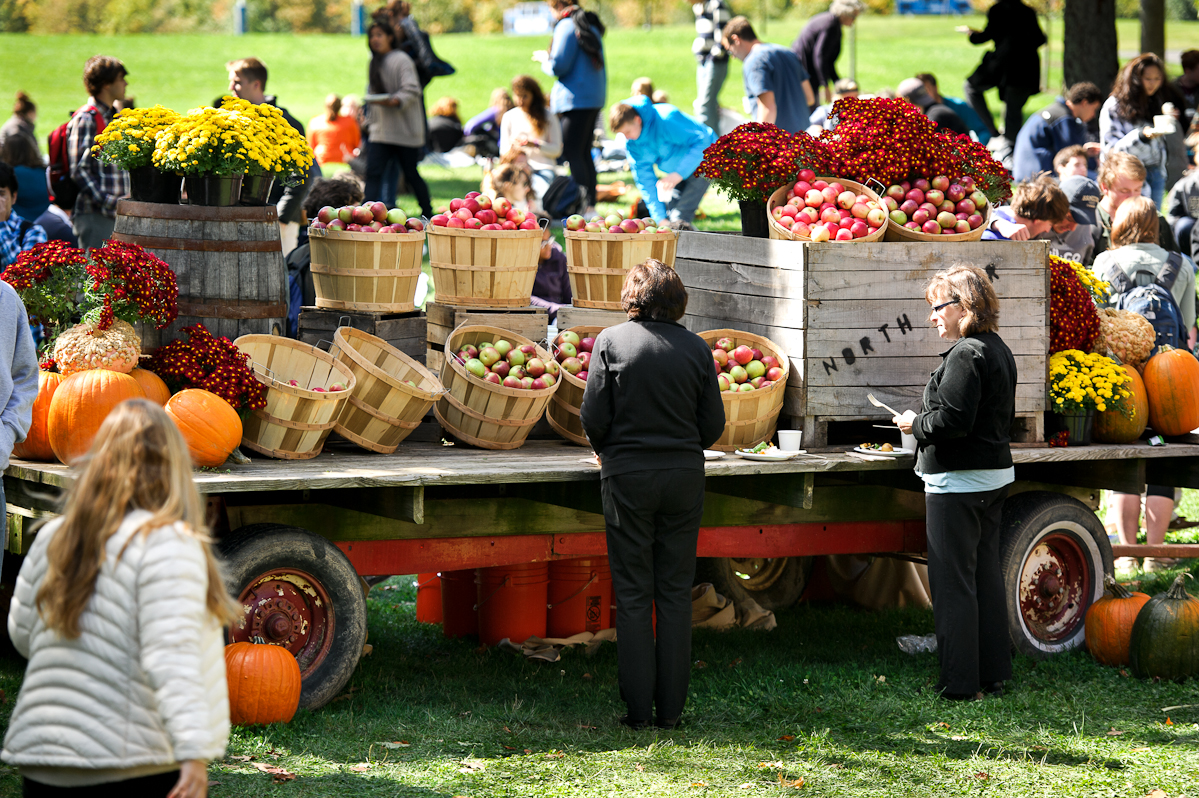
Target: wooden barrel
<point>597,263</point>
<point>228,263</point>
<point>751,417</point>
<point>564,407</point>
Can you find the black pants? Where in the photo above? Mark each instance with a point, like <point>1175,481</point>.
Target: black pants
<point>652,520</point>
<point>969,610</point>
<point>380,158</point>
<point>1014,99</point>
<point>156,786</point>
<point>578,131</point>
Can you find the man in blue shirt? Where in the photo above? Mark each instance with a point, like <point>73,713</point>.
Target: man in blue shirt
<point>1062,124</point>
<point>16,234</point>
<point>775,79</point>
<point>663,136</point>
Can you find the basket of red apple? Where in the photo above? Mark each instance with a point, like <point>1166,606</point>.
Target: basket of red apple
<point>940,209</point>
<point>366,257</point>
<point>826,209</point>
<point>392,394</point>
<point>497,385</point>
<point>599,254</point>
<point>572,350</point>
<point>484,252</point>
<point>752,372</point>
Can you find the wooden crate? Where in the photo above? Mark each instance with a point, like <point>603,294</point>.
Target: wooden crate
<point>531,322</point>
<point>854,320</point>
<point>570,317</point>
<point>405,331</point>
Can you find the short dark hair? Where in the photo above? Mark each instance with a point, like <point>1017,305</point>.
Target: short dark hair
<point>927,77</point>
<point>21,151</point>
<point>1084,93</point>
<point>100,71</point>
<point>620,115</point>
<point>653,291</point>
<point>1066,153</point>
<point>335,191</point>
<point>1189,59</point>
<point>1040,199</point>
<point>8,178</point>
<point>739,27</point>
<point>249,69</point>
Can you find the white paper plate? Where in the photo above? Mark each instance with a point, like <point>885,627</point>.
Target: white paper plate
<point>712,454</point>
<point>878,453</point>
<point>375,98</point>
<point>763,457</point>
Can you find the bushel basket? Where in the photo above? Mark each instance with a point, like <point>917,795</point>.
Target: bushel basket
<point>563,412</point>
<point>598,263</point>
<point>383,409</point>
<point>779,197</point>
<point>482,413</point>
<point>897,232</point>
<point>750,417</point>
<point>375,272</point>
<point>484,268</point>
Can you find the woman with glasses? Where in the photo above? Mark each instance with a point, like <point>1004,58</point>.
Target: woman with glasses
<point>964,458</point>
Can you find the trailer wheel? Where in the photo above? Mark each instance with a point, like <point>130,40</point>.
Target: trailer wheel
<point>1054,553</point>
<point>775,583</point>
<point>299,591</point>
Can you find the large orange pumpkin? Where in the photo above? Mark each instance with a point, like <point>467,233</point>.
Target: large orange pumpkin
<point>264,683</point>
<point>156,390</point>
<point>1172,381</point>
<point>209,424</point>
<point>1109,623</point>
<point>80,405</point>
<point>36,445</point>
<point>1112,426</point>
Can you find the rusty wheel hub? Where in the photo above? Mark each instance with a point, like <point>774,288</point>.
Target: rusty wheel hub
<point>287,608</point>
<point>1054,585</point>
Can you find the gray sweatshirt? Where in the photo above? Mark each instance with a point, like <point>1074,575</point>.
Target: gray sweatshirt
<point>402,124</point>
<point>18,372</point>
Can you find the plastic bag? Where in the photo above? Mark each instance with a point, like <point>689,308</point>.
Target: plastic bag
<point>917,644</point>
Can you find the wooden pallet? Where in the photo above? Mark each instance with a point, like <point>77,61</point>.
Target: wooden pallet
<point>531,322</point>
<point>570,316</point>
<point>404,331</point>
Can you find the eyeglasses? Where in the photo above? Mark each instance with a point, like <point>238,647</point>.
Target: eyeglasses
<point>943,305</point>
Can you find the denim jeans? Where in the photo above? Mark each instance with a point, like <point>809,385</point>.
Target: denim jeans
<point>1155,184</point>
<point>685,199</point>
<point>709,77</point>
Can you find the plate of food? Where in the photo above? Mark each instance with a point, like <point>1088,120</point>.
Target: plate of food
<point>766,453</point>
<point>712,454</point>
<point>883,449</point>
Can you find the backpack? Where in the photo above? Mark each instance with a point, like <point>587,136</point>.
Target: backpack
<point>63,189</point>
<point>1153,301</point>
<point>563,198</point>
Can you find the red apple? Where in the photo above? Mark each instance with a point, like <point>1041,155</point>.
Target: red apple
<point>415,225</point>
<point>743,354</point>
<point>491,376</point>
<point>486,216</point>
<point>844,235</point>
<point>508,224</point>
<point>455,204</point>
<point>528,224</point>
<point>501,206</point>
<point>511,382</point>
<point>539,384</point>
<point>326,214</point>
<point>473,224</point>
<point>585,360</point>
<point>471,205</point>
<point>455,222</point>
<point>440,220</point>
<point>535,367</point>
<point>526,382</point>
<point>501,367</point>
<point>484,201</point>
<point>774,374</point>
<point>931,227</point>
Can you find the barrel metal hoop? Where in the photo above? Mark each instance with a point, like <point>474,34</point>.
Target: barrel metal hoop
<point>199,245</point>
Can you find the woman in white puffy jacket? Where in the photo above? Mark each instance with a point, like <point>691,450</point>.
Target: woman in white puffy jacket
<point>119,608</point>
<point>1126,120</point>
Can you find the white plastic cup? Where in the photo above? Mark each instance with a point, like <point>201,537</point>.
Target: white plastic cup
<point>790,439</point>
<point>908,441</point>
<point>1165,124</point>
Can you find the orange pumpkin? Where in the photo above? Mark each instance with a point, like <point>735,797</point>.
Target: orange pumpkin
<point>209,424</point>
<point>80,404</point>
<point>1109,620</point>
<point>1172,381</point>
<point>1112,426</point>
<point>36,445</point>
<point>264,683</point>
<point>156,390</point>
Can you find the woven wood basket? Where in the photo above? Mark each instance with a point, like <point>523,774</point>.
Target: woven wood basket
<point>598,263</point>
<point>484,268</point>
<point>384,409</point>
<point>777,231</point>
<point>750,417</point>
<point>897,232</point>
<point>482,413</point>
<point>366,271</point>
<point>563,412</point>
<point>296,420</point>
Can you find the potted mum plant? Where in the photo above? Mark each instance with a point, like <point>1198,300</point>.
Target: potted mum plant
<point>210,147</point>
<point>128,142</point>
<point>274,150</point>
<point>1081,384</point>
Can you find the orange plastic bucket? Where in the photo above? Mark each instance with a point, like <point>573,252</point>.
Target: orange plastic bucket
<point>512,602</point>
<point>458,598</point>
<point>580,596</point>
<point>428,598</point>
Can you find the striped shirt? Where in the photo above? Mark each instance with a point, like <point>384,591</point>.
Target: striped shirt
<point>14,241</point>
<point>100,184</point>
<point>710,18</point>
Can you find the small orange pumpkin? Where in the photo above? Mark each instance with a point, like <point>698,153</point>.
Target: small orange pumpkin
<point>80,404</point>
<point>1172,381</point>
<point>264,683</point>
<point>209,424</point>
<point>156,390</point>
<point>36,445</point>
<point>1112,426</point>
<point>1109,623</point>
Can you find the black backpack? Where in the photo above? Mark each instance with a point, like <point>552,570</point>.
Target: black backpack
<point>563,198</point>
<point>1152,300</point>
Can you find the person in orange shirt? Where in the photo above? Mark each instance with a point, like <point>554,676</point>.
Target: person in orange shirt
<point>334,138</point>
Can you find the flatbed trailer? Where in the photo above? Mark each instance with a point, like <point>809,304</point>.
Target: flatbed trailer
<point>299,536</point>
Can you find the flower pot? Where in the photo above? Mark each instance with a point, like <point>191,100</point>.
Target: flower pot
<point>213,190</point>
<point>256,189</point>
<point>151,184</point>
<point>754,219</point>
<point>1077,425</point>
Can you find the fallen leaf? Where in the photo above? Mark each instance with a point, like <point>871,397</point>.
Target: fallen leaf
<point>585,726</point>
<point>278,774</point>
<point>771,765</point>
<point>240,758</point>
<point>507,730</point>
<point>367,649</point>
<point>471,765</point>
<point>1169,722</point>
<point>1139,750</point>
<point>700,664</point>
<point>959,737</point>
<point>1039,748</point>
<point>882,679</point>
<point>527,751</point>
<point>348,694</point>
<point>587,676</point>
<point>982,776</point>
<point>393,745</point>
<point>639,768</point>
<point>214,784</point>
<point>941,725</point>
<point>786,738</point>
<point>746,786</point>
<point>509,748</point>
<point>361,767</point>
<point>1157,794</point>
<point>820,709</point>
<point>698,784</point>
<point>796,783</point>
<point>3,697</point>
<point>1113,733</point>
<point>1124,673</point>
<point>735,662</point>
<point>555,755</point>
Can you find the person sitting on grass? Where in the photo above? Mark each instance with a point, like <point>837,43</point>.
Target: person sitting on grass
<point>16,234</point>
<point>1037,205</point>
<point>1073,238</point>
<point>1071,161</point>
<point>1182,205</point>
<point>336,192</point>
<point>551,287</point>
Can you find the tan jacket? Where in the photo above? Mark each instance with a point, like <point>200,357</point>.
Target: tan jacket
<point>402,124</point>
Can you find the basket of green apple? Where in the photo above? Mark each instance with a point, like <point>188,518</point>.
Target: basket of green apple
<point>599,254</point>
<point>366,258</point>
<point>940,209</point>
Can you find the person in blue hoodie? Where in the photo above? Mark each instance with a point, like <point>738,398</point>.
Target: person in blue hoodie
<point>663,136</point>
<point>1052,129</point>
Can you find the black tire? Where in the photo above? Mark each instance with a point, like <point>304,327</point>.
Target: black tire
<point>1054,553</point>
<point>774,583</point>
<point>327,653</point>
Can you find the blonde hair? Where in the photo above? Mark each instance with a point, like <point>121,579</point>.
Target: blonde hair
<point>660,96</point>
<point>970,286</point>
<point>643,86</point>
<point>1117,165</point>
<point>138,461</point>
<point>501,100</point>
<point>1135,222</point>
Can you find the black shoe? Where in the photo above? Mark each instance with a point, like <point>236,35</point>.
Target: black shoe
<point>994,689</point>
<point>669,724</point>
<point>635,725</point>
<point>961,696</point>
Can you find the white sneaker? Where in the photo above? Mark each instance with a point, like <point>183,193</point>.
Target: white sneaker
<point>1125,566</point>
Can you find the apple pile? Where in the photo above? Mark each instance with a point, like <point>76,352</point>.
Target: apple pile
<point>574,353</point>
<point>337,386</point>
<point>822,211</point>
<point>508,365</point>
<point>614,223</point>
<point>373,217</point>
<point>941,206</point>
<point>478,211</point>
<point>743,368</point>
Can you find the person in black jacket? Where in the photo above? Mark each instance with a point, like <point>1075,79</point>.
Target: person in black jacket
<point>1013,66</point>
<point>964,457</point>
<point>818,45</point>
<point>651,407</point>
